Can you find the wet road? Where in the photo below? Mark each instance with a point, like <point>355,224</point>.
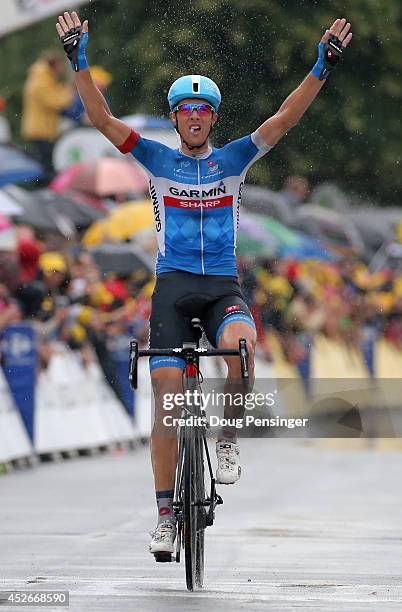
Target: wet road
<point>307,527</point>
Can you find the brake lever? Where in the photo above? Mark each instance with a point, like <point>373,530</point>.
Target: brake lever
<point>132,364</point>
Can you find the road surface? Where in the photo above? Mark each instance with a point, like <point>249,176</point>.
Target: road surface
<point>307,527</point>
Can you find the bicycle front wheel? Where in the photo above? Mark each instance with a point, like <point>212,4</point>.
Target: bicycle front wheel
<point>189,510</point>
<point>193,512</point>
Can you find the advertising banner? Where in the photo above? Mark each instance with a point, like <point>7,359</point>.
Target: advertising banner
<point>17,14</point>
<point>118,347</point>
<point>19,361</point>
<point>14,441</point>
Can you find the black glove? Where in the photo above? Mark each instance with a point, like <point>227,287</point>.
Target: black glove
<point>329,54</point>
<point>75,43</point>
<point>332,54</point>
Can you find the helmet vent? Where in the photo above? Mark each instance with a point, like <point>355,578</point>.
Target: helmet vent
<point>194,86</point>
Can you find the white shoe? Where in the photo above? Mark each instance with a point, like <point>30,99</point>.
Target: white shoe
<point>229,470</point>
<point>163,538</point>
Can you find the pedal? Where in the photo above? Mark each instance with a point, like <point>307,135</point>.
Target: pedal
<point>163,557</point>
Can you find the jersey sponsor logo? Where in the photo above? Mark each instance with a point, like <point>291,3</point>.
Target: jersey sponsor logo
<point>212,167</point>
<point>198,204</point>
<point>155,204</point>
<point>233,308</point>
<point>197,193</point>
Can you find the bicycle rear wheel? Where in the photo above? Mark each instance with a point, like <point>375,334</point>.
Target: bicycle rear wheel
<point>201,515</point>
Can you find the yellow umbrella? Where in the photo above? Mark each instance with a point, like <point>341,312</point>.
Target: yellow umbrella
<point>123,223</point>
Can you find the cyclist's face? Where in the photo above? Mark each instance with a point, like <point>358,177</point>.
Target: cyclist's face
<point>195,126</point>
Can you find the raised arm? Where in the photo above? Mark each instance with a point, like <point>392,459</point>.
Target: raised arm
<point>330,49</point>
<point>74,38</point>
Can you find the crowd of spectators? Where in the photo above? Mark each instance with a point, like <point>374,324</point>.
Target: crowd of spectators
<point>342,300</point>
<point>67,298</point>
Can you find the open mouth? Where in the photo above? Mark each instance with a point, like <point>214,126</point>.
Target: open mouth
<point>195,129</point>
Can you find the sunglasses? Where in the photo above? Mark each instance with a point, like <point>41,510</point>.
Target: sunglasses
<point>204,110</point>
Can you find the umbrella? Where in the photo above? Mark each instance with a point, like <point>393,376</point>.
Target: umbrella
<point>7,205</point>
<point>284,235</point>
<point>16,167</point>
<point>8,239</point>
<point>103,177</point>
<point>38,215</point>
<point>123,223</point>
<point>309,248</point>
<point>296,244</point>
<point>122,259</point>
<point>147,122</point>
<point>331,224</point>
<point>376,225</point>
<point>4,223</point>
<point>253,247</point>
<point>280,240</point>
<point>63,180</point>
<point>253,239</point>
<point>267,202</point>
<point>80,214</point>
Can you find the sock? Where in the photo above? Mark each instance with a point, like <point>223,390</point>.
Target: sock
<point>164,501</point>
<point>227,434</point>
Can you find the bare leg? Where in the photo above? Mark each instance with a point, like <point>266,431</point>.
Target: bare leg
<point>164,438</point>
<point>231,334</point>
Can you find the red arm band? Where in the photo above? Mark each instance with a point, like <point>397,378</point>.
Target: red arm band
<point>129,144</point>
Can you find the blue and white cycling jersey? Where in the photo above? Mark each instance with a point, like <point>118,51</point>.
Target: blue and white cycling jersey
<point>196,201</point>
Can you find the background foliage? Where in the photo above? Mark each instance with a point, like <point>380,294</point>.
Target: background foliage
<point>257,51</point>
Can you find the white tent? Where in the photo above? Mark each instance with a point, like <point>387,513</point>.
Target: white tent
<point>17,14</point>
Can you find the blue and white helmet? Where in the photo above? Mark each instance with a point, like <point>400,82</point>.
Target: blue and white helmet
<point>194,86</point>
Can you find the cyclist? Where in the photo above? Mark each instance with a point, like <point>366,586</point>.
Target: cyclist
<point>196,192</point>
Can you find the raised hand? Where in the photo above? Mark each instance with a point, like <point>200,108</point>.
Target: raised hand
<point>331,48</point>
<point>341,29</point>
<point>74,38</point>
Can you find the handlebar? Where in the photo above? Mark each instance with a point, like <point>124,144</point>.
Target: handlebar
<point>187,352</point>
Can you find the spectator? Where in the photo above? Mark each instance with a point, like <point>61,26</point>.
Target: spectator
<point>45,97</point>
<point>39,297</point>
<point>29,250</point>
<point>76,112</point>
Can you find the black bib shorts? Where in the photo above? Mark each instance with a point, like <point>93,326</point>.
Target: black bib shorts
<point>180,296</point>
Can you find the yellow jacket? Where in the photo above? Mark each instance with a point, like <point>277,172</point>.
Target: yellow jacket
<point>44,98</point>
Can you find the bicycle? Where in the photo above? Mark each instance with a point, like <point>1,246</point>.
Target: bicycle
<point>193,509</point>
